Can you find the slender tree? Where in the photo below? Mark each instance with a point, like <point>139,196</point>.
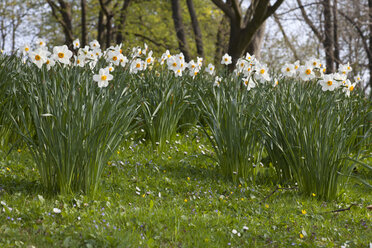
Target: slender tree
<point>328,36</point>
<point>84,38</point>
<point>180,30</point>
<point>121,22</point>
<point>196,28</point>
<point>335,34</point>
<point>4,13</point>
<point>101,27</point>
<point>109,14</point>
<point>3,32</point>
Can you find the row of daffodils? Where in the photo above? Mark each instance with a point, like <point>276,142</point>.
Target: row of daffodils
<point>248,68</point>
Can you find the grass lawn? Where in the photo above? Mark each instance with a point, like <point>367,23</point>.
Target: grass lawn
<point>173,199</point>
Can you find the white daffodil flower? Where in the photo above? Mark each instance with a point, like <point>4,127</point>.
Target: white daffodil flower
<point>25,49</point>
<point>226,59</point>
<point>261,73</point>
<point>328,83</point>
<point>210,69</point>
<point>249,83</point>
<point>50,63</point>
<point>40,43</point>
<point>76,44</point>
<point>307,72</point>
<point>39,57</point>
<point>217,81</point>
<point>136,65</point>
<point>288,70</point>
<point>103,77</point>
<point>62,54</point>
<point>94,44</point>
<point>174,63</point>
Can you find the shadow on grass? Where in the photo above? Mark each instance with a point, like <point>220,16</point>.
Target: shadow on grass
<point>18,172</point>
<point>184,169</point>
<point>12,185</point>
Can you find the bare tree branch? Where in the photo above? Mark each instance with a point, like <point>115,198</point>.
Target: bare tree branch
<point>298,7</point>
<point>250,11</point>
<point>286,40</point>
<point>55,8</point>
<point>340,210</point>
<point>273,8</point>
<point>224,7</point>
<point>309,22</point>
<point>359,31</point>
<point>148,39</point>
<point>64,19</point>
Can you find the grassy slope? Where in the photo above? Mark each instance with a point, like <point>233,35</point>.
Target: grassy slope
<point>195,207</point>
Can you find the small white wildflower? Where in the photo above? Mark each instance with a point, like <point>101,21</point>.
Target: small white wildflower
<point>57,210</point>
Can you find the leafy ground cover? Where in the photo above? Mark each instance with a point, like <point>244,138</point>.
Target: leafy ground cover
<point>174,199</point>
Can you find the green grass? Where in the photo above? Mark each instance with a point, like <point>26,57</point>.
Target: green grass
<point>119,217</point>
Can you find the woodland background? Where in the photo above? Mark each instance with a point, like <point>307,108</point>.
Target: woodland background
<point>336,31</point>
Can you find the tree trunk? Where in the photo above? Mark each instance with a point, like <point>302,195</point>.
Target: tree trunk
<point>108,14</point>
<point>328,36</point>
<point>66,16</point>
<point>196,28</point>
<point>335,34</point>
<point>101,27</point>
<point>370,46</point>
<point>108,30</point>
<point>221,41</point>
<point>121,24</point>
<point>243,27</point>
<point>255,45</point>
<point>180,32</point>
<point>14,28</point>
<point>3,34</point>
<point>236,46</point>
<point>65,19</point>
<point>84,38</point>
<point>239,41</point>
